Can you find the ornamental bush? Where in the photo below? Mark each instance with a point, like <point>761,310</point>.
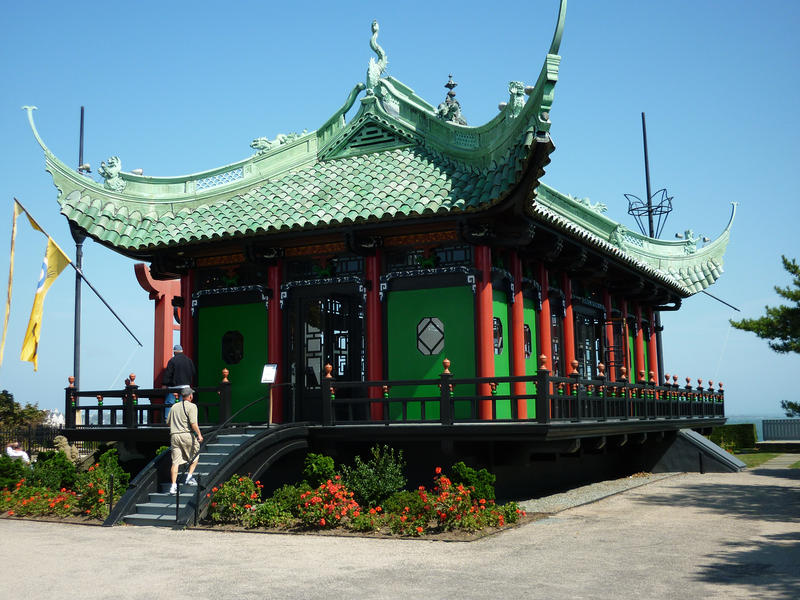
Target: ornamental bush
<point>53,470</point>
<point>287,497</point>
<point>24,500</point>
<point>375,480</point>
<point>318,469</point>
<point>234,499</point>
<point>11,471</point>
<point>327,506</point>
<point>93,485</point>
<point>268,514</point>
<point>482,481</point>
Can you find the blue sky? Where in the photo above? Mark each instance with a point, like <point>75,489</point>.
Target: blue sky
<point>181,87</point>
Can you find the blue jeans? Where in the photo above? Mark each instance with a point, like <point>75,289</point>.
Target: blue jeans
<point>169,400</point>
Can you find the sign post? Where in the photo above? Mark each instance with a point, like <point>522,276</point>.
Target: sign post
<point>268,377</point>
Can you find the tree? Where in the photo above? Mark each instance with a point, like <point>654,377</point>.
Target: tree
<point>13,414</point>
<point>781,324</point>
<point>791,409</point>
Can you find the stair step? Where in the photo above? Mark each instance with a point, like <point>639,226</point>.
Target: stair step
<point>237,439</point>
<point>160,508</point>
<point>164,520</point>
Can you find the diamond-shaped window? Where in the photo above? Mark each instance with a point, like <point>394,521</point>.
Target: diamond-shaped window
<point>430,336</point>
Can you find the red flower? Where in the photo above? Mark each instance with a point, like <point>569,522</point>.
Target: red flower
<point>419,529</point>
<point>11,512</point>
<point>215,489</point>
<point>213,504</point>
<point>438,470</point>
<point>101,492</point>
<point>322,522</point>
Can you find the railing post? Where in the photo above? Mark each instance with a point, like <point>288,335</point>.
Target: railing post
<point>575,391</point>
<point>130,401</point>
<point>70,404</point>
<point>224,391</point>
<point>542,395</point>
<point>328,396</point>
<point>601,375</point>
<point>446,395</point>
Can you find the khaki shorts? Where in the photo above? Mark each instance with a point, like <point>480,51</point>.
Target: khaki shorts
<point>184,446</point>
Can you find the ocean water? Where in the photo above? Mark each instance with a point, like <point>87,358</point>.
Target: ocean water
<point>757,420</point>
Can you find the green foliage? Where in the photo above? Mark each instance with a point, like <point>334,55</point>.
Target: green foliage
<point>367,521</point>
<point>374,481</point>
<point>269,514</point>
<point>11,471</point>
<point>53,470</point>
<point>13,414</point>
<point>233,500</point>
<point>755,459</point>
<point>482,481</point>
<point>327,506</point>
<point>318,469</point>
<point>287,497</point>
<point>734,437</point>
<point>92,486</point>
<point>23,500</point>
<point>790,409</point>
<point>408,512</point>
<point>781,324</point>
<point>161,449</point>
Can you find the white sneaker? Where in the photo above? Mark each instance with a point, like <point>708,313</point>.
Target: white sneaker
<point>173,489</point>
<point>191,481</point>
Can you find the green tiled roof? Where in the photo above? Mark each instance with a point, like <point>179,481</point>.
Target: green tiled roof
<point>406,182</point>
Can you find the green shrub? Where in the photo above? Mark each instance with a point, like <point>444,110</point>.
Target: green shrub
<point>397,503</point>
<point>366,521</point>
<point>233,500</point>
<point>375,480</point>
<point>11,471</point>
<point>53,470</point>
<point>734,437</point>
<point>327,506</point>
<point>268,514</point>
<point>482,481</point>
<point>318,469</point>
<point>287,497</point>
<point>32,501</point>
<point>92,486</point>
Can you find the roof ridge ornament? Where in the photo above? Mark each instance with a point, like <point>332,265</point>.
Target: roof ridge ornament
<point>375,69</point>
<point>110,172</point>
<point>450,109</point>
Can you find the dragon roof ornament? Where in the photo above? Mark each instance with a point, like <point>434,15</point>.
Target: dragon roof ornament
<point>375,69</point>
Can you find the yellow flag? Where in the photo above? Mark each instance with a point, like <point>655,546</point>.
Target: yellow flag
<point>17,212</point>
<point>55,261</point>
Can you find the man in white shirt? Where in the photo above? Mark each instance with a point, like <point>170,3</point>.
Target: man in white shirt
<point>14,450</point>
<point>182,421</point>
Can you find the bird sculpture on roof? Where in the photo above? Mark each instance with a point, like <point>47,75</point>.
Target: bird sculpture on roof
<point>375,68</point>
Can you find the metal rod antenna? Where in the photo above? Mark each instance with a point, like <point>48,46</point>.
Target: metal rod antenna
<point>79,238</point>
<point>721,300</point>
<point>647,180</point>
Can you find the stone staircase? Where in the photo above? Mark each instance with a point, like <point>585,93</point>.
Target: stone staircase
<point>159,510</point>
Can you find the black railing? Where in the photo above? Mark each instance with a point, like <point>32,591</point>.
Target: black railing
<point>123,408</point>
<point>544,399</point>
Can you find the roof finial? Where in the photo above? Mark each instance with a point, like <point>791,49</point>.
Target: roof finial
<point>450,109</point>
<point>375,69</point>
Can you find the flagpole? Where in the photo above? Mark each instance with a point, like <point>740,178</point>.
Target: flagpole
<point>82,276</point>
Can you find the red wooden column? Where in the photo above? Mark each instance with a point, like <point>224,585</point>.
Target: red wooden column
<point>275,338</point>
<point>626,362</point>
<point>545,327</point>
<point>187,319</point>
<point>652,349</point>
<point>518,336</point>
<point>569,324</point>
<point>639,343</point>
<point>610,370</point>
<point>162,291</point>
<point>483,322</point>
<point>374,332</point>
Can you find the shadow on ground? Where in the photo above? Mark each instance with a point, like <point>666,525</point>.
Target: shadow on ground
<point>772,566</point>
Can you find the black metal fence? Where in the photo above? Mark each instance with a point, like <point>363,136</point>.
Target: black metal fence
<point>38,438</point>
<point>125,407</point>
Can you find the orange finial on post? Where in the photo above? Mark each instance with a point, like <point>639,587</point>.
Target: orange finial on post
<point>574,365</point>
<point>652,377</point>
<point>542,362</point>
<point>225,374</point>
<point>446,365</point>
<point>601,370</point>
<point>328,368</point>
<point>623,372</point>
<point>71,380</point>
<point>132,377</point>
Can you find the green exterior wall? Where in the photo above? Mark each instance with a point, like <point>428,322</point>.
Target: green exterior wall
<point>631,356</point>
<point>455,308</point>
<point>245,375</point>
<point>502,361</point>
<point>529,317</point>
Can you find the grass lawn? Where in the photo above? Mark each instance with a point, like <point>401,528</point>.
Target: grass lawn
<point>754,459</point>
<point>795,465</point>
